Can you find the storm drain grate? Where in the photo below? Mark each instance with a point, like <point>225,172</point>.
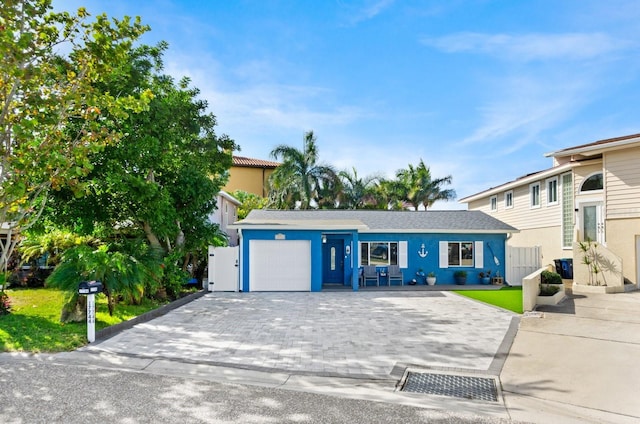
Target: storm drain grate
<point>452,385</point>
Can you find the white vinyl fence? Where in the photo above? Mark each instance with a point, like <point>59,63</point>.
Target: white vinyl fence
<point>520,262</point>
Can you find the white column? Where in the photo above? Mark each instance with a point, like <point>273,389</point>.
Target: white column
<point>91,317</point>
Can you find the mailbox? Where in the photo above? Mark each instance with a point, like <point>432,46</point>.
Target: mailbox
<point>90,287</point>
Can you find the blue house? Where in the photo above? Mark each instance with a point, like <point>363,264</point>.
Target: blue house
<point>295,250</point>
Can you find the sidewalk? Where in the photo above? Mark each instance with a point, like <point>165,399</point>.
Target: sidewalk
<point>578,363</point>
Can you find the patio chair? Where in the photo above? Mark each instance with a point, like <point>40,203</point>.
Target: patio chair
<point>369,273</point>
<point>394,273</point>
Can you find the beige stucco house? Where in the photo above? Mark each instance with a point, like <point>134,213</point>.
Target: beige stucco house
<point>591,192</point>
<point>225,214</point>
<point>250,175</point>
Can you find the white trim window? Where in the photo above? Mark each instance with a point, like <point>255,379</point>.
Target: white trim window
<point>381,253</point>
<point>552,191</point>
<point>493,203</point>
<point>508,199</point>
<point>461,254</point>
<point>534,195</point>
<point>593,182</point>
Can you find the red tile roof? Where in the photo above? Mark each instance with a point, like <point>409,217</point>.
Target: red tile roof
<point>254,163</point>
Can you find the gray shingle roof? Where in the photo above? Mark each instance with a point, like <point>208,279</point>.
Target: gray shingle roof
<point>379,221</point>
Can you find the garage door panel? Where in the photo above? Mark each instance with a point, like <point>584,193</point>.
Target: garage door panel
<point>280,265</point>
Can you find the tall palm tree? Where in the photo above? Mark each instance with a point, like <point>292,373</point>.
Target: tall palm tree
<point>357,193</point>
<point>297,182</point>
<point>415,186</point>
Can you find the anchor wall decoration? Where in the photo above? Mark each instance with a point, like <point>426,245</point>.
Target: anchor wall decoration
<point>422,253</point>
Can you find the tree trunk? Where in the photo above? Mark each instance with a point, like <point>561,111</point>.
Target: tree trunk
<point>153,239</point>
<point>75,310</point>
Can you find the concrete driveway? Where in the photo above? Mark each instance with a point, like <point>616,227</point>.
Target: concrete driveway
<point>329,334</point>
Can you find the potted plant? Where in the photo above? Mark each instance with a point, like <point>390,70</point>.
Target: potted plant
<point>431,278</point>
<point>460,277</point>
<point>485,277</point>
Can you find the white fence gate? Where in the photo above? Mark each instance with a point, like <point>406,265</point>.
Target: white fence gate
<point>223,268</point>
<point>522,261</point>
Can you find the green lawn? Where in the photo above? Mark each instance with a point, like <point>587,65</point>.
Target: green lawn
<point>34,322</point>
<point>507,297</point>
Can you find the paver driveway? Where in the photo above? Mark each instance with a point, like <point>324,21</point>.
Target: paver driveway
<point>342,333</point>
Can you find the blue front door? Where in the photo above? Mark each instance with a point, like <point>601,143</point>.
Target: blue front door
<point>333,262</point>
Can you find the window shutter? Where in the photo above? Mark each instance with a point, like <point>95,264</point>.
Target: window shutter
<point>478,254</point>
<point>443,254</point>
<point>403,254</point>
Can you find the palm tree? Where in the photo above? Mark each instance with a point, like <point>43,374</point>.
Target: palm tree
<point>357,193</point>
<point>298,181</point>
<point>416,187</point>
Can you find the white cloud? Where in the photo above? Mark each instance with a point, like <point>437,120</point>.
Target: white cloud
<point>531,47</point>
<point>521,107</point>
<point>363,12</point>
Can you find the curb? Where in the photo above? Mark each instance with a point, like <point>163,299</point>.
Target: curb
<point>112,330</point>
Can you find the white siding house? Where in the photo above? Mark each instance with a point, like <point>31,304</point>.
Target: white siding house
<point>592,192</point>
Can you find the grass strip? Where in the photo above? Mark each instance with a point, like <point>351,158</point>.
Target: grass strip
<point>34,322</point>
<point>509,298</point>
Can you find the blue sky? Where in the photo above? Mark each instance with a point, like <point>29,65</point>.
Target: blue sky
<point>479,90</point>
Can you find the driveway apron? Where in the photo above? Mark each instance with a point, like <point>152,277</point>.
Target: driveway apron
<point>332,333</point>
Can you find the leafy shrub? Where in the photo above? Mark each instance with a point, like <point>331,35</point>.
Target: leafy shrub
<point>549,289</point>
<point>550,277</point>
<point>174,276</point>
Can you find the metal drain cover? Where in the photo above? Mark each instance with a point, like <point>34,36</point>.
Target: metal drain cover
<point>460,386</point>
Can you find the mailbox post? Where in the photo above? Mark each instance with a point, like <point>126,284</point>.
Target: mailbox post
<point>90,288</point>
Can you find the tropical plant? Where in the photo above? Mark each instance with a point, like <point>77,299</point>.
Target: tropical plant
<point>298,181</point>
<point>51,245</point>
<point>357,193</point>
<point>122,273</point>
<point>592,259</point>
<point>416,187</point>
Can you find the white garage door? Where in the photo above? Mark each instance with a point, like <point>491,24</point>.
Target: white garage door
<point>279,265</point>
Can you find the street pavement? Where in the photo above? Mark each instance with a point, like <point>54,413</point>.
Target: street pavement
<point>573,363</point>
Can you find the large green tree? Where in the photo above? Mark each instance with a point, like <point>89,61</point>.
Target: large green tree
<point>300,179</point>
<point>44,92</point>
<point>161,180</point>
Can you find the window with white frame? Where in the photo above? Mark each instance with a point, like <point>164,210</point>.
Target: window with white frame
<point>592,183</point>
<point>552,191</point>
<point>460,253</point>
<point>508,199</point>
<point>493,203</point>
<point>534,195</point>
<point>378,253</point>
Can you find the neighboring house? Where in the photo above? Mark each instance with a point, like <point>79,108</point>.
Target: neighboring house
<point>225,214</point>
<point>592,192</point>
<point>297,250</point>
<point>250,175</point>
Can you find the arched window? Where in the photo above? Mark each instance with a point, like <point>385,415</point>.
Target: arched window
<point>594,182</point>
